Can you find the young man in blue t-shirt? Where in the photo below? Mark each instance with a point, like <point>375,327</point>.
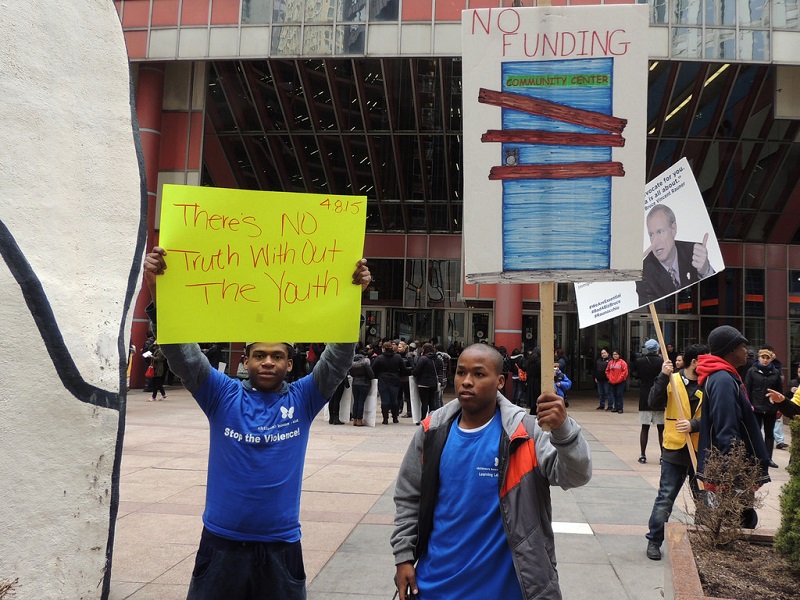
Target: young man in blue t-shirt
<point>250,545</point>
<point>473,518</point>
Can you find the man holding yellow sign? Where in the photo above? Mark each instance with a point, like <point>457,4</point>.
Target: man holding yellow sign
<point>259,428</point>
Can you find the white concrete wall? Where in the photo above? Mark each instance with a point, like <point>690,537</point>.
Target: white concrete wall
<point>70,211</point>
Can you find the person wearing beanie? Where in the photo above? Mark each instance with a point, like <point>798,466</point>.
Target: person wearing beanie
<point>727,416</point>
<point>648,366</point>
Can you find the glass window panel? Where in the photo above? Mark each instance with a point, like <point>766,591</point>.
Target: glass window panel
<point>387,279</point>
<point>687,42</point>
<point>658,12</point>
<point>722,293</point>
<point>415,292</point>
<point>350,39</point>
<point>720,12</point>
<point>754,293</point>
<point>794,347</point>
<point>794,294</point>
<point>754,45</point>
<point>754,13</point>
<point>318,40</point>
<point>256,11</point>
<point>286,41</point>
<point>384,10</point>
<point>319,11</point>
<point>721,43</point>
<point>688,12</point>
<point>374,224</point>
<point>444,282</point>
<point>418,217</point>
<point>393,217</point>
<point>755,332</point>
<point>785,13</point>
<point>455,329</point>
<point>288,11</point>
<point>352,11</point>
<point>439,218</point>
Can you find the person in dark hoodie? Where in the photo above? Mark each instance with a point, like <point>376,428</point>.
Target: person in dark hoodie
<point>728,415</point>
<point>388,368</point>
<point>362,375</point>
<point>765,375</point>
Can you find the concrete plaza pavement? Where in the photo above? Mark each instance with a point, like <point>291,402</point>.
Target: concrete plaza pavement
<point>347,508</point>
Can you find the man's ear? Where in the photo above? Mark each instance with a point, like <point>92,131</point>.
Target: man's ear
<point>501,382</point>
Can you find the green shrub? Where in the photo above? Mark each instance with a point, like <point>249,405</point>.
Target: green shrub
<point>787,538</point>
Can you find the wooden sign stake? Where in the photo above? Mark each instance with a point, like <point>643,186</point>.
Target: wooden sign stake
<point>547,335</point>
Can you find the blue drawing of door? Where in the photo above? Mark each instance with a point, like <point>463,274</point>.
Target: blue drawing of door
<point>562,224</point>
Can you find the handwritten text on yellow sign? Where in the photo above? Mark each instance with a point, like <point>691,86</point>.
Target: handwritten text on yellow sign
<point>267,266</point>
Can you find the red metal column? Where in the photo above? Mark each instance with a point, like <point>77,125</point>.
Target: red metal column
<point>508,317</point>
<point>149,99</point>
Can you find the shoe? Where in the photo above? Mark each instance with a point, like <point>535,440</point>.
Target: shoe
<point>642,459</point>
<point>782,446</point>
<point>395,420</point>
<point>566,403</point>
<point>618,411</point>
<point>151,399</point>
<point>600,408</point>
<point>773,464</point>
<point>611,408</point>
<point>407,415</point>
<point>338,422</point>
<point>386,421</point>
<point>653,551</point>
<point>163,397</point>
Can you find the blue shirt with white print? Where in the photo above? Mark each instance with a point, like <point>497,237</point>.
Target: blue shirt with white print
<point>257,449</point>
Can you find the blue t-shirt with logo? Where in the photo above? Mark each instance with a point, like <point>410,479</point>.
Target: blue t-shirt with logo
<point>257,449</point>
<point>468,554</point>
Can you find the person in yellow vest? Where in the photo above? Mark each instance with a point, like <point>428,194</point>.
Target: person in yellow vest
<point>676,463</point>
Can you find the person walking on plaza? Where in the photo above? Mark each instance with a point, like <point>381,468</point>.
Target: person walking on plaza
<point>682,398</point>
<point>648,366</point>
<point>159,372</point>
<point>389,368</point>
<point>427,380</point>
<point>473,519</point>
<point>601,379</point>
<point>259,428</point>
<point>362,375</point>
<point>727,415</point>
<point>765,375</point>
<point>617,374</point>
<point>780,440</point>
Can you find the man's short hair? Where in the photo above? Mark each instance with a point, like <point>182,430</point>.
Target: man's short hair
<point>692,352</point>
<point>490,352</point>
<point>665,209</point>
<point>289,348</point>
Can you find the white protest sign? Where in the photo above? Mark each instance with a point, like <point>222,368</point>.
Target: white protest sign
<point>554,142</point>
<point>680,249</point>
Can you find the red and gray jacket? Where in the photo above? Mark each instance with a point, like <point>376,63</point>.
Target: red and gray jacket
<point>531,460</point>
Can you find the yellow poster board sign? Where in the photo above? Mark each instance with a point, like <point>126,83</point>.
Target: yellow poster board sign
<point>259,266</point>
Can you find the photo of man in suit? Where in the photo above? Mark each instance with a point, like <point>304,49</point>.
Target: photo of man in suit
<point>670,264</point>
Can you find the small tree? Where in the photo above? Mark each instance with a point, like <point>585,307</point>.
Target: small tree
<point>787,538</point>
<point>719,515</point>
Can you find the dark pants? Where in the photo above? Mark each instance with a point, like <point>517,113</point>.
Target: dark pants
<point>360,393</point>
<point>767,420</point>
<point>247,570</point>
<point>404,397</point>
<point>389,393</point>
<point>427,401</point>
<point>617,391</point>
<point>157,385</point>
<point>672,478</point>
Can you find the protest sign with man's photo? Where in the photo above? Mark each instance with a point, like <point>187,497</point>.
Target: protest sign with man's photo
<point>680,249</point>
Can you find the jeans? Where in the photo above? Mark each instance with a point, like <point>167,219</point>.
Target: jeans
<point>777,431</point>
<point>427,399</point>
<point>247,570</point>
<point>615,397</point>
<point>388,394</point>
<point>360,393</point>
<point>604,389</point>
<point>672,478</point>
<point>767,420</point>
